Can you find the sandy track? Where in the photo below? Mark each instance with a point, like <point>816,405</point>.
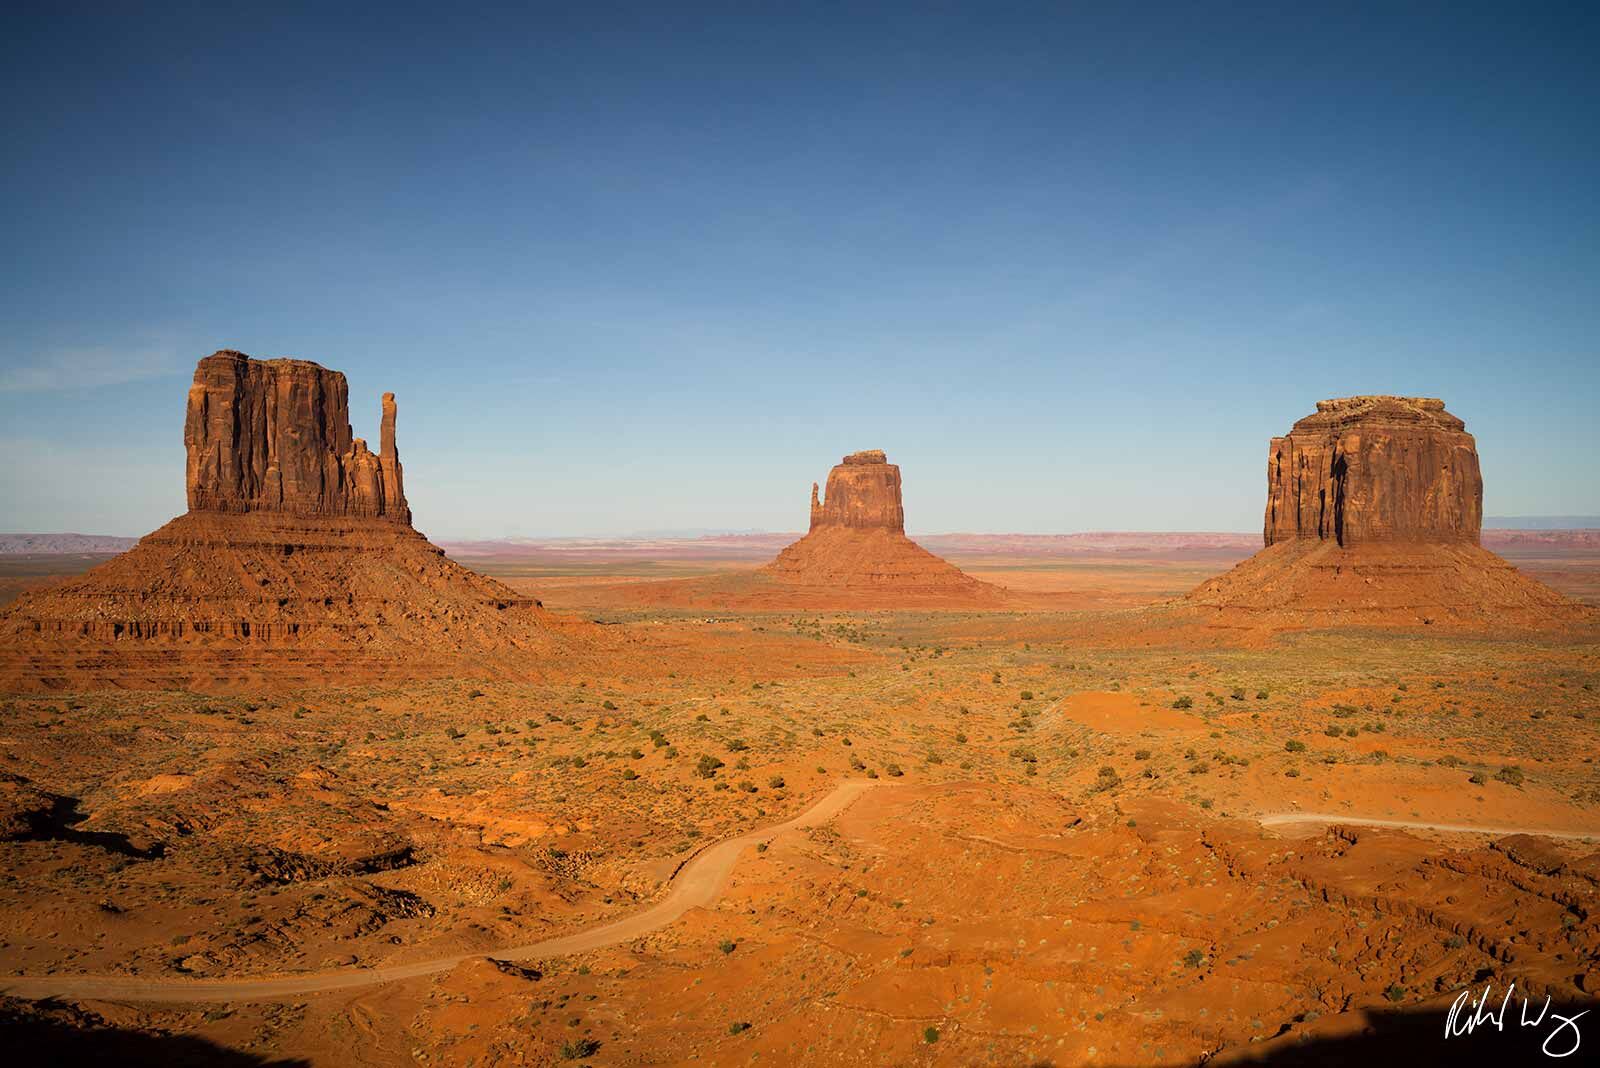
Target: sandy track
<point>697,883</point>
<point>1275,819</point>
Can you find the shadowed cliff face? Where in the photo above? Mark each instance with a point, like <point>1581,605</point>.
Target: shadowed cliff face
<point>1369,469</point>
<point>863,492</point>
<point>274,436</point>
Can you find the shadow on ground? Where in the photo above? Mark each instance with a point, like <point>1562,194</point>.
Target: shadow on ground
<point>44,1033</point>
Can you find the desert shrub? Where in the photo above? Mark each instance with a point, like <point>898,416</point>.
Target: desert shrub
<point>452,732</point>
<point>930,1035</point>
<point>1106,779</point>
<point>961,739</point>
<point>1334,731</point>
<point>1261,695</point>
<point>1238,693</point>
<point>893,770</point>
<point>1027,695</point>
<point>628,775</point>
<point>776,782</point>
<point>702,718</point>
<point>1512,776</point>
<point>726,946</point>
<point>609,705</point>
<point>748,787</point>
<point>1194,958</point>
<point>707,766</point>
<point>738,745</point>
<point>1199,767</point>
<point>1027,756</point>
<point>1293,773</point>
<point>1477,778</point>
<point>579,762</point>
<point>1183,702</point>
<point>1141,754</point>
<point>579,1049</point>
<point>738,1027</point>
<point>659,739</point>
<point>1396,992</point>
<point>857,763</point>
<point>1294,745</point>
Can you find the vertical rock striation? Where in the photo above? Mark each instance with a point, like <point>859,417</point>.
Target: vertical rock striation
<point>296,561</point>
<point>863,492</point>
<point>274,436</point>
<point>1375,469</point>
<point>1374,508</point>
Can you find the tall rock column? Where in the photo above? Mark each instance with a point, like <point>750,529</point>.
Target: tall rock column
<point>863,492</point>
<point>274,436</point>
<point>1376,468</point>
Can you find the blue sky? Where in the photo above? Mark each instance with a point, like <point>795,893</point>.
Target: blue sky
<point>659,267</point>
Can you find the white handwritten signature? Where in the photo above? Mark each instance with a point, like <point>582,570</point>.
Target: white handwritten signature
<point>1468,1013</point>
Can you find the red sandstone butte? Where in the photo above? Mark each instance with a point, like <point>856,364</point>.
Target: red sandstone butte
<point>296,562</point>
<point>274,436</point>
<point>857,542</point>
<point>1366,469</point>
<point>1374,509</point>
<point>863,492</point>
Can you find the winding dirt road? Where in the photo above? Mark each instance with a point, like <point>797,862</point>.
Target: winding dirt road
<point>1276,819</point>
<point>697,883</point>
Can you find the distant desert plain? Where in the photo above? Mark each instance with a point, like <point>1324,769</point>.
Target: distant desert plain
<point>284,783</point>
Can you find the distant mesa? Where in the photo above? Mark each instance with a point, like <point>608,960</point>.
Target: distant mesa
<point>296,554</point>
<point>1374,512</point>
<point>857,541</point>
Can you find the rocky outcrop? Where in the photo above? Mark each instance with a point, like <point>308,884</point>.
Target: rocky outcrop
<point>1370,469</point>
<point>296,562</point>
<point>1374,507</point>
<point>863,493</point>
<point>274,436</point>
<point>857,546</point>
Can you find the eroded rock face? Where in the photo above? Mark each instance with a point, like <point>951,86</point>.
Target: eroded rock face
<point>1375,469</point>
<point>274,436</point>
<point>863,493</point>
<point>296,563</point>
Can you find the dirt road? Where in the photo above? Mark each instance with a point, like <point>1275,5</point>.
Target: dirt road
<point>697,883</point>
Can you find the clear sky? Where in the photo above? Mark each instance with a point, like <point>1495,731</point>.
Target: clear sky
<point>660,266</point>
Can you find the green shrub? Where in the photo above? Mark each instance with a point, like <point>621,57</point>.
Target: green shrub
<point>1183,702</point>
<point>579,1049</point>
<point>707,766</point>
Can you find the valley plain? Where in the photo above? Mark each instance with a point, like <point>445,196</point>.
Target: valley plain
<point>1078,829</point>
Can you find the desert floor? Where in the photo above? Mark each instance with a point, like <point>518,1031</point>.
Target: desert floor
<point>1067,833</point>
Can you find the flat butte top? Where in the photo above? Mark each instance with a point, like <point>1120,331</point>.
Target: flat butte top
<point>1379,410</point>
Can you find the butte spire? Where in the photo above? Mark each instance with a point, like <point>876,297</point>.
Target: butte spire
<point>295,563</point>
